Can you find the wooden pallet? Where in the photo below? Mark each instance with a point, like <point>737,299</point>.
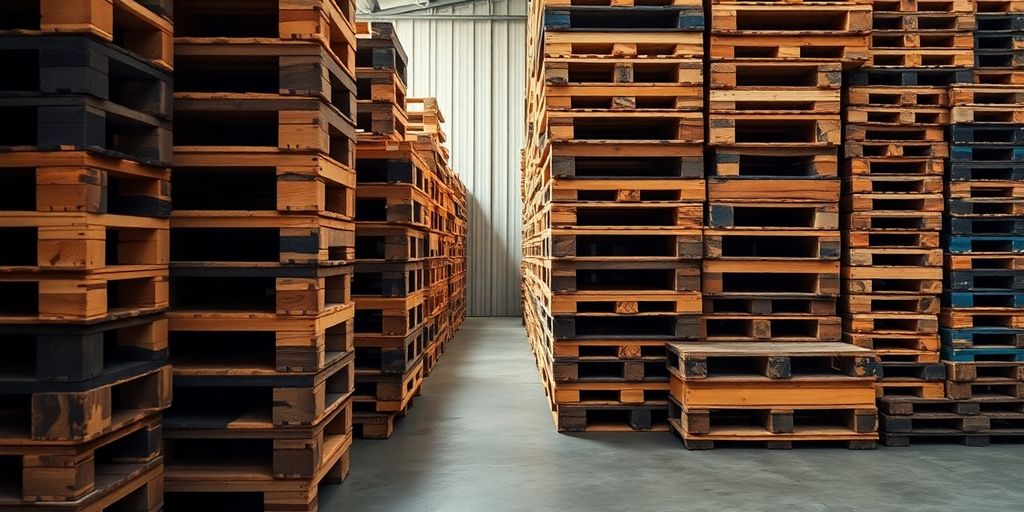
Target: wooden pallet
<point>103,295</point>
<point>329,23</point>
<point>386,393</point>
<point>391,354</point>
<point>86,182</point>
<point>87,476</point>
<point>250,122</point>
<point>84,66</point>
<point>247,439</point>
<point>282,66</point>
<point>85,123</point>
<point>774,428</point>
<point>138,26</point>
<point>61,353</point>
<point>78,413</point>
<point>299,398</point>
<point>780,360</point>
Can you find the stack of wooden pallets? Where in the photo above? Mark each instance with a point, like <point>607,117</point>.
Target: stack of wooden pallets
<point>406,244</point>
<point>896,143</point>
<point>772,245</point>
<point>613,196</point>
<point>262,241</point>
<point>982,320</point>
<point>445,271</point>
<point>84,157</point>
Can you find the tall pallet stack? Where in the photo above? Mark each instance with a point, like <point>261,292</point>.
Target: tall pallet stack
<point>262,244</point>
<point>405,237</point>
<point>613,194</point>
<point>896,147</point>
<point>772,246</point>
<point>982,320</point>
<point>446,271</point>
<point>84,150</point>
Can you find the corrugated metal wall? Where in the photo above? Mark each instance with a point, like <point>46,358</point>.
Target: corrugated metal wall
<point>475,67</point>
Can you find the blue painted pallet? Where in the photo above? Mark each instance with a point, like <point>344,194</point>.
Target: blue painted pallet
<point>985,280</point>
<point>599,18</point>
<point>995,337</point>
<point>911,76</point>
<point>965,244</point>
<point>968,355</point>
<point>988,153</point>
<point>993,299</point>
<point>970,171</point>
<point>983,226</point>
<point>987,133</point>
<point>999,22</point>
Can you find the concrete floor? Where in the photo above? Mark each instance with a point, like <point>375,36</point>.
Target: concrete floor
<point>480,438</point>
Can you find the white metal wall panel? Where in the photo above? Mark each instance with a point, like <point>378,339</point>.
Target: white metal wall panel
<point>475,66</point>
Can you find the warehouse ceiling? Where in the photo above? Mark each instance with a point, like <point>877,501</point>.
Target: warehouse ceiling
<point>385,7</point>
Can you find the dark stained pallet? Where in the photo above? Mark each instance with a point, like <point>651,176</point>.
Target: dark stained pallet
<point>50,122</point>
<point>391,354</point>
<point>632,18</point>
<point>646,327</point>
<point>1011,388</point>
<point>200,483</point>
<point>89,476</point>
<point>64,354</point>
<point>970,299</point>
<point>910,77</point>
<point>299,399</point>
<point>945,436</point>
<point>923,422</point>
<point>600,369</point>
<point>984,371</point>
<point>777,360</point>
<point>616,418</point>
<point>268,66</point>
<point>991,337</point>
<point>81,65</point>
<point>925,371</point>
<point>250,440</point>
<point>967,283</point>
<point>776,327</point>
<point>66,417</point>
<point>968,243</point>
<point>233,122</point>
<point>378,47</point>
<point>984,226</point>
<point>615,280</point>
<point>284,348</point>
<point>768,305</point>
<point>984,353</point>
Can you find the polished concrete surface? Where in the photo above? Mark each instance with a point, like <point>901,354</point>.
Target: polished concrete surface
<point>480,438</point>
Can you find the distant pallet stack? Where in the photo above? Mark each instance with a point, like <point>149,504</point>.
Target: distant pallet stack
<point>446,272</point>
<point>84,173</point>
<point>896,147</point>
<point>613,196</point>
<point>410,225</point>
<point>262,244</point>
<point>772,244</point>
